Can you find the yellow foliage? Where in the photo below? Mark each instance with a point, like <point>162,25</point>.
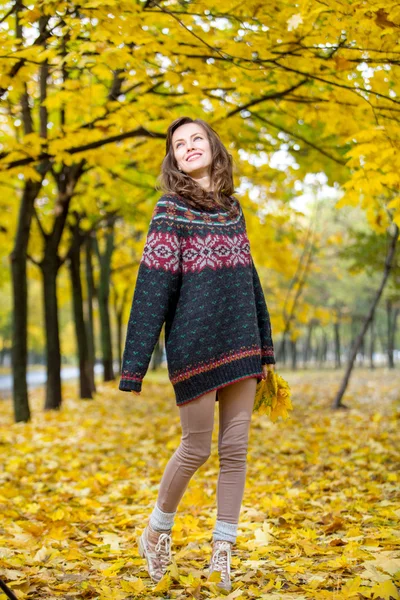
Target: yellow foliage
<point>76,492</point>
<point>273,396</point>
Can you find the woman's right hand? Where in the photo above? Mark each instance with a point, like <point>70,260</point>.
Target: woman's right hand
<point>136,393</point>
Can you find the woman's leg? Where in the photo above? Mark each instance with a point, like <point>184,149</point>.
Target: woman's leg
<point>236,403</point>
<point>197,421</point>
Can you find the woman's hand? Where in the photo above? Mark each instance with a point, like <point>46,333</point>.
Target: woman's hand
<point>267,368</point>
<point>136,393</point>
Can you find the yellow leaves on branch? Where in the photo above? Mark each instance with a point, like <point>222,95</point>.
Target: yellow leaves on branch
<point>375,163</point>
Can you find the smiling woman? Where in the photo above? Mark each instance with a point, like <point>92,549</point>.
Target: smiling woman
<point>198,277</point>
<point>192,153</point>
<point>197,165</point>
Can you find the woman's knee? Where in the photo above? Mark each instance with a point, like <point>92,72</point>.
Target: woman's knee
<point>194,452</point>
<point>233,446</point>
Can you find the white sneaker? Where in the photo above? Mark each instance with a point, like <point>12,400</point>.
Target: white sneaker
<point>155,546</point>
<point>221,561</point>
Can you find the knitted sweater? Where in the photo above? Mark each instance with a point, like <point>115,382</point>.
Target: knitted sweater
<point>197,276</point>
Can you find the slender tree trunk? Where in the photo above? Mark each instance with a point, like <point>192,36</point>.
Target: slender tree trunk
<point>103,298</point>
<point>119,306</point>
<point>372,343</point>
<point>394,328</point>
<point>66,181</point>
<point>281,350</point>
<point>336,328</point>
<point>90,287</point>
<point>119,341</point>
<point>50,266</point>
<point>307,347</point>
<point>18,260</point>
<point>293,353</point>
<point>322,349</point>
<point>391,315</point>
<point>388,265</point>
<point>362,352</point>
<point>85,387</point>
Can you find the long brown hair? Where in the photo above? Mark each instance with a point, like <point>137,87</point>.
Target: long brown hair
<point>173,181</point>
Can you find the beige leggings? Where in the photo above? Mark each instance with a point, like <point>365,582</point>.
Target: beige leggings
<point>235,403</point>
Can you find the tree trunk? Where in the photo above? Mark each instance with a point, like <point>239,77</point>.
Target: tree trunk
<point>50,266</point>
<point>371,344</point>
<point>119,312</point>
<point>85,387</point>
<point>119,340</point>
<point>18,257</point>
<point>293,352</point>
<point>336,328</point>
<point>280,354</point>
<point>307,347</point>
<point>388,265</point>
<point>89,317</point>
<point>394,328</point>
<point>20,302</point>
<point>103,298</point>
<point>66,181</point>
<point>392,315</point>
<point>362,352</point>
<point>322,349</point>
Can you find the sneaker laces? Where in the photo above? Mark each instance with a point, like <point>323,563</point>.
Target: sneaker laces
<point>163,549</point>
<point>220,560</point>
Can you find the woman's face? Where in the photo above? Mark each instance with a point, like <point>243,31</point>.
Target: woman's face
<point>192,149</point>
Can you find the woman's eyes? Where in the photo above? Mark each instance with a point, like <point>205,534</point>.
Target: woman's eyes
<point>198,137</point>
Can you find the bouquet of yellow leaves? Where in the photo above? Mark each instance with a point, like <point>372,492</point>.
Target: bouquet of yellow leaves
<point>273,397</point>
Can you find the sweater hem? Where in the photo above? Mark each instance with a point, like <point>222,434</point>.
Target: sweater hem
<point>218,387</point>
<point>222,375</point>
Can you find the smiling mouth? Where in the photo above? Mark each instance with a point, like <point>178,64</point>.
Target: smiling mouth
<point>193,157</point>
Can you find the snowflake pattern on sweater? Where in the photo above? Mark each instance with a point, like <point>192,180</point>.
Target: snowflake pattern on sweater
<point>198,277</point>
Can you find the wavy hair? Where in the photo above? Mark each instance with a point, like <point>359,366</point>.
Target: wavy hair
<point>173,181</point>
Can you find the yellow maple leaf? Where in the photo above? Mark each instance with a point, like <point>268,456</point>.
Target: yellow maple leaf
<point>385,590</point>
<point>215,577</point>
<point>351,588</point>
<point>164,584</point>
<point>137,586</point>
<point>113,569</point>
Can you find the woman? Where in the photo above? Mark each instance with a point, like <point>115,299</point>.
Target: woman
<point>197,275</point>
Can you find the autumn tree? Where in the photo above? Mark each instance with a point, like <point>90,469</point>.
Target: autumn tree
<point>95,86</point>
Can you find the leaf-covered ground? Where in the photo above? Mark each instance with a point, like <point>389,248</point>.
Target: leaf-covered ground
<point>320,515</point>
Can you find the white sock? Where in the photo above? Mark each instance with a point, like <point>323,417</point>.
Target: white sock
<point>161,521</point>
<point>225,531</point>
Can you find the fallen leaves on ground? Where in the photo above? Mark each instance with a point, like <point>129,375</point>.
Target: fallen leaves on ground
<point>320,513</point>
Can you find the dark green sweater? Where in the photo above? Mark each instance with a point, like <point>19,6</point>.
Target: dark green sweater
<point>197,276</point>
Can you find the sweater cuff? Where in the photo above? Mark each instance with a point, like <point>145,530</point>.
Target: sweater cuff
<point>126,385</point>
<point>268,360</point>
<point>267,357</point>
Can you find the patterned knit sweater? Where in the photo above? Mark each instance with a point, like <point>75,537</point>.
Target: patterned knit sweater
<point>197,276</point>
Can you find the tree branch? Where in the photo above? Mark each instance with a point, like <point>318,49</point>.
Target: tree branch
<point>141,131</point>
<point>272,96</point>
